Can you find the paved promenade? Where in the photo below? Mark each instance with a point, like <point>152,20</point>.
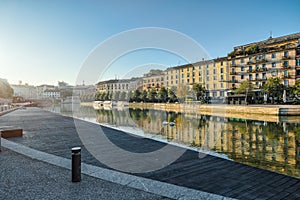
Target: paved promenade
<point>56,135</point>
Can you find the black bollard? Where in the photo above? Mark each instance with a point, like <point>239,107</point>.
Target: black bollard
<point>76,164</point>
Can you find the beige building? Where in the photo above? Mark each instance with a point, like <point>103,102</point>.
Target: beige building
<point>274,57</point>
<point>155,79</point>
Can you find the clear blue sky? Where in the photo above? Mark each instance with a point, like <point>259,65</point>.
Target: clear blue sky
<point>47,41</point>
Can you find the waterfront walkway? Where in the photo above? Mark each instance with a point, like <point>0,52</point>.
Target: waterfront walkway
<point>56,135</point>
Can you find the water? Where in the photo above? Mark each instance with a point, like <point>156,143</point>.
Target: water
<point>273,146</point>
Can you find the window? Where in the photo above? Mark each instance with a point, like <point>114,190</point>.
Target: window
<point>242,60</point>
<point>250,68</point>
<point>222,85</point>
<point>188,75</point>
<point>250,76</point>
<point>188,69</point>
<point>257,58</point>
<point>221,63</point>
<point>286,82</point>
<point>233,62</point>
<point>188,80</point>
<point>233,79</point>
<point>207,72</point>
<point>242,68</point>
<point>298,62</point>
<point>182,75</point>
<point>207,86</point>
<point>214,71</point>
<point>286,54</point>
<point>273,64</point>
<point>286,63</point>
<point>256,67</point>
<point>207,78</point>
<point>257,76</point>
<point>264,76</point>
<point>221,77</point>
<point>264,66</point>
<point>222,70</point>
<point>215,78</point>
<point>286,73</point>
<point>273,55</point>
<point>263,57</point>
<point>242,76</point>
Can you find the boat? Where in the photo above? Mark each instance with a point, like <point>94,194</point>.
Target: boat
<point>172,123</point>
<point>97,105</point>
<point>165,123</point>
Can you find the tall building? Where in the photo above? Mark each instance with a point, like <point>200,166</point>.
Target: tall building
<point>258,61</point>
<point>155,79</point>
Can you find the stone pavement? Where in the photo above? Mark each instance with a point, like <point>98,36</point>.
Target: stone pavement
<point>24,178</point>
<point>56,135</point>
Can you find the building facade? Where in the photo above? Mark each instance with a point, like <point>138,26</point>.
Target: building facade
<point>255,62</point>
<point>274,57</point>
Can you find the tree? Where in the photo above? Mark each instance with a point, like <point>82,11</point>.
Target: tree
<point>296,88</point>
<point>116,96</point>
<point>199,91</point>
<point>129,95</point>
<point>245,87</point>
<point>122,96</point>
<point>136,95</point>
<point>5,90</point>
<point>163,94</point>
<point>274,88</point>
<point>171,94</point>
<point>181,92</point>
<point>144,96</point>
<point>152,95</point>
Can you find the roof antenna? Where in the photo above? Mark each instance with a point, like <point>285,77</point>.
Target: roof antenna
<point>270,35</point>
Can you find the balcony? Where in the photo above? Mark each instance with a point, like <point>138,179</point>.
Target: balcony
<point>286,77</point>
<point>284,67</point>
<point>261,61</point>
<point>259,79</point>
<point>233,73</point>
<point>286,58</point>
<point>233,81</point>
<point>298,76</point>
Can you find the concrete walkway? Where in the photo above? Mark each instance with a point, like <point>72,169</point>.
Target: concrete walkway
<point>24,178</point>
<point>53,134</point>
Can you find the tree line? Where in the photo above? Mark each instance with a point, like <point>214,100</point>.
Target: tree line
<point>175,94</point>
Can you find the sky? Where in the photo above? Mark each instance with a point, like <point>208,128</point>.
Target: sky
<point>43,42</point>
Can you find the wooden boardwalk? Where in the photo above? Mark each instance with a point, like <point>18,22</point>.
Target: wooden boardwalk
<point>56,134</point>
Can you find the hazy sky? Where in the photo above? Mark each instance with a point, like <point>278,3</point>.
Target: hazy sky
<point>48,41</point>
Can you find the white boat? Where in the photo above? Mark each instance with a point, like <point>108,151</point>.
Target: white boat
<point>97,105</point>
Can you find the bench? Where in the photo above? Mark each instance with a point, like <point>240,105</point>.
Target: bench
<point>9,133</point>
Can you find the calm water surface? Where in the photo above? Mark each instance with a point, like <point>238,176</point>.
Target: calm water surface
<point>269,145</point>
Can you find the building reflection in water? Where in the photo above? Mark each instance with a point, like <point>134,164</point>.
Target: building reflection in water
<point>270,145</point>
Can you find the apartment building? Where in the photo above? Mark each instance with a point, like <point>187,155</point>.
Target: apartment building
<point>155,79</point>
<point>274,57</point>
<point>258,61</point>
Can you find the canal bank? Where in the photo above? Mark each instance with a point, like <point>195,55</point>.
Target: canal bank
<point>223,109</point>
<point>56,134</point>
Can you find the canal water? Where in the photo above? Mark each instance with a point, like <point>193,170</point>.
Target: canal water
<point>273,146</point>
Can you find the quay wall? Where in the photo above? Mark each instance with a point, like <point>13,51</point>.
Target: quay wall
<point>223,109</point>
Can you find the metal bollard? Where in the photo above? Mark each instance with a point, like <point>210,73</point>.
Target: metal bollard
<point>76,164</point>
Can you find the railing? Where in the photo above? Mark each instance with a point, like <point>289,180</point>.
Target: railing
<point>233,73</point>
<point>261,61</point>
<point>286,58</point>
<point>286,77</point>
<point>285,66</point>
